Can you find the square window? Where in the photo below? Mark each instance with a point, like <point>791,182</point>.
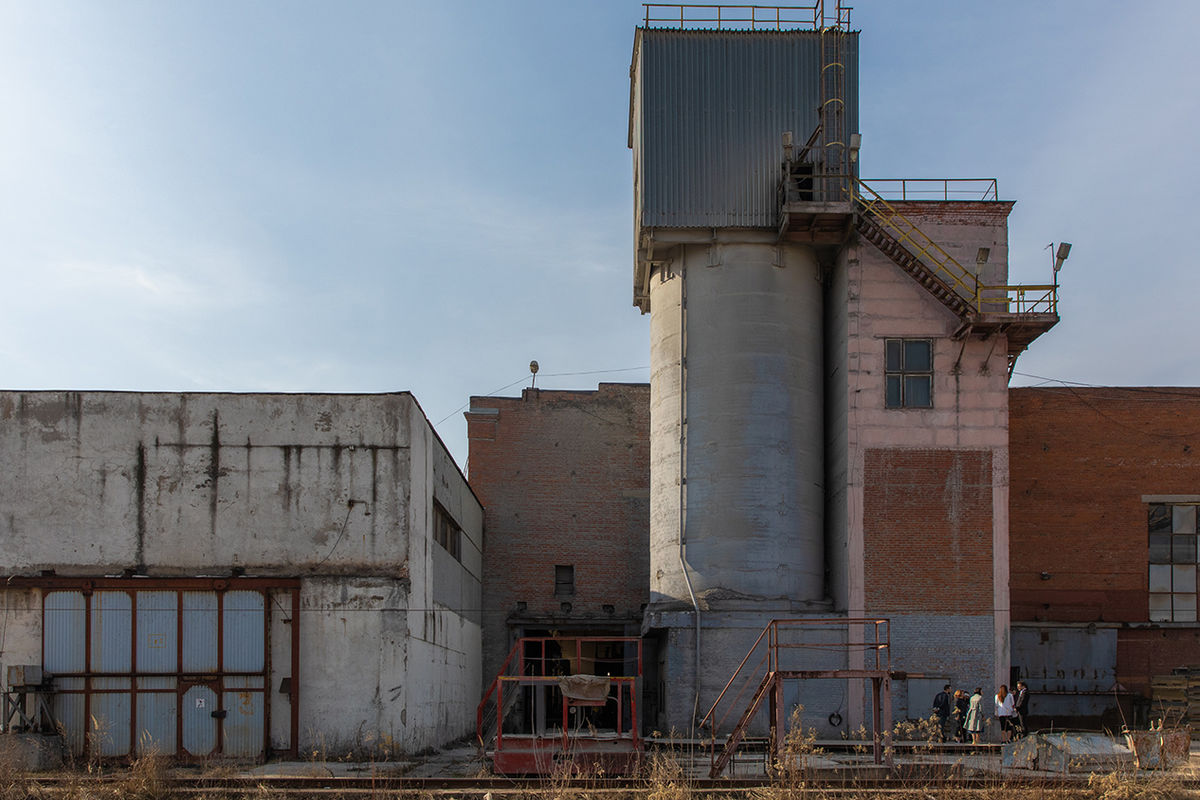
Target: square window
<point>1185,607</point>
<point>1183,519</point>
<point>1183,549</point>
<point>1160,518</point>
<point>1160,578</point>
<point>917,356</point>
<point>1183,579</point>
<point>918,391</point>
<point>908,373</point>
<point>1160,548</point>
<point>1160,608</point>
<point>564,579</point>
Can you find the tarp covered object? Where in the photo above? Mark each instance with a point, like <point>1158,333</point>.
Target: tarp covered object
<point>584,688</point>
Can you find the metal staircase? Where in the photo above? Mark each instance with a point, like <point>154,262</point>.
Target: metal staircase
<point>909,248</point>
<point>777,656</point>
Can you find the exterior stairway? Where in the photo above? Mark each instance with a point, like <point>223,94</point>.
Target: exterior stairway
<point>909,248</point>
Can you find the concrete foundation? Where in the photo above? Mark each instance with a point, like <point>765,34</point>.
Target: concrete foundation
<point>31,752</point>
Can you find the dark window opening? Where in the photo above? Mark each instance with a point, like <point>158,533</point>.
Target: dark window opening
<point>564,579</point>
<point>908,373</point>
<point>446,532</point>
<point>1172,555</point>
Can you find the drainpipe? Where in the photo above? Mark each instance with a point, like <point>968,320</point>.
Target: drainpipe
<point>683,488</point>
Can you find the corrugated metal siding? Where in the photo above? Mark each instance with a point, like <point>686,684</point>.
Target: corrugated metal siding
<point>64,637</point>
<point>103,707</point>
<point>156,715</point>
<point>111,708</point>
<point>714,105</point>
<point>199,633</point>
<point>243,632</point>
<point>157,638</point>
<point>243,724</point>
<point>112,632</point>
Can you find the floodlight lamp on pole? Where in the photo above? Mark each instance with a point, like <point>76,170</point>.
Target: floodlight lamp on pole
<point>533,370</point>
<point>1064,250</point>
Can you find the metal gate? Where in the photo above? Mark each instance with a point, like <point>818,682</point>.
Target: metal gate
<point>179,671</point>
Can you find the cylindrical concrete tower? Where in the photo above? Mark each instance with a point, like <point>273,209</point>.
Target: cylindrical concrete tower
<point>736,410</point>
<point>733,285</point>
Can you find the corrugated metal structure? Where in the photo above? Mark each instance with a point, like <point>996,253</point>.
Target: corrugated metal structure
<point>708,109</point>
<point>177,667</point>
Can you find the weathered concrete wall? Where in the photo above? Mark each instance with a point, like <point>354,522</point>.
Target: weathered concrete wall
<point>751,400</point>
<point>335,489</point>
<point>100,482</point>
<point>564,477</point>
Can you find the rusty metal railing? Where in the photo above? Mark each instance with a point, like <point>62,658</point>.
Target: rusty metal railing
<point>693,16</point>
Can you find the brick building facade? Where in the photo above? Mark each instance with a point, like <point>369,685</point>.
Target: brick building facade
<point>1105,488</point>
<point>564,479</point>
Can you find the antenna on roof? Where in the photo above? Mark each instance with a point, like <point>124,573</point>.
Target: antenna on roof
<point>533,368</point>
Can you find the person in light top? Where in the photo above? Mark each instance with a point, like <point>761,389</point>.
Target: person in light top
<point>1004,712</point>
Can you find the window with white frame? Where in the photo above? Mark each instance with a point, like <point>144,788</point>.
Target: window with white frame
<point>1173,563</point>
<point>908,373</point>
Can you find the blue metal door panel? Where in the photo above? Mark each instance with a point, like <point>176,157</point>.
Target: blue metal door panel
<point>199,632</point>
<point>111,705</point>
<point>64,635</point>
<point>157,637</point>
<point>243,725</point>
<point>112,630</point>
<point>68,705</point>
<point>243,631</point>
<point>199,725</point>
<point>157,717</point>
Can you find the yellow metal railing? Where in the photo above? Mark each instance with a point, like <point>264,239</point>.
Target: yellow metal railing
<point>1032,299</point>
<point>957,277</point>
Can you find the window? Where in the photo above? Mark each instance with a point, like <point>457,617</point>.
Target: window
<point>908,373</point>
<point>564,579</point>
<point>446,532</point>
<point>1173,563</point>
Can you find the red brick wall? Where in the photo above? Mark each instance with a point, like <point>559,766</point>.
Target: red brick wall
<point>927,528</point>
<point>564,478</point>
<point>1080,461</point>
<point>1143,653</point>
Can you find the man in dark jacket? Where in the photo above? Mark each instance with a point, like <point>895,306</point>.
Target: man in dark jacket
<point>1021,707</point>
<point>941,711</point>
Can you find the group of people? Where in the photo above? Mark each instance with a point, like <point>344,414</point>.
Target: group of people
<point>960,716</point>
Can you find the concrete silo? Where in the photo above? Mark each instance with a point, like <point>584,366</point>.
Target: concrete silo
<point>737,531</point>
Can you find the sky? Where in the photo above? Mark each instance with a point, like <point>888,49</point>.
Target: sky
<point>294,196</point>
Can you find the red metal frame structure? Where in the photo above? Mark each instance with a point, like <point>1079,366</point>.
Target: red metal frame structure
<point>184,680</point>
<point>768,676</point>
<point>531,673</point>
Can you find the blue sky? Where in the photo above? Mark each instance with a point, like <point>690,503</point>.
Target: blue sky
<point>370,196</point>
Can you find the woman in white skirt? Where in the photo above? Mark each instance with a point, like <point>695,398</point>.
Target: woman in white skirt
<point>975,715</point>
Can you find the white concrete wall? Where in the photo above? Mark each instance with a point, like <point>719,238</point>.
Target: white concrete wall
<point>97,483</point>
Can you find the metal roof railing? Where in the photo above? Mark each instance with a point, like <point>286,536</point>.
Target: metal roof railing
<point>936,188</point>
<point>690,16</point>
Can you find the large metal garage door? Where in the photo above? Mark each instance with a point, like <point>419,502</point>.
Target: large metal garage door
<point>176,671</point>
